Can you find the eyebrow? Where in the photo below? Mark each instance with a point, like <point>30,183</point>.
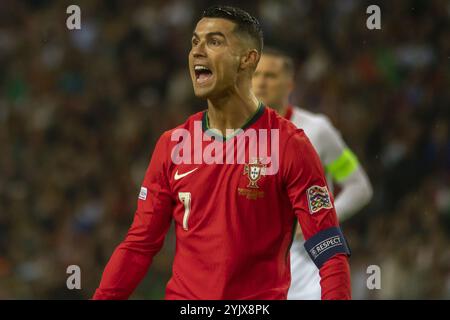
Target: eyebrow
<point>210,34</point>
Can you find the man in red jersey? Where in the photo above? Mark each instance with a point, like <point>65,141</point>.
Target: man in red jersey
<point>234,205</point>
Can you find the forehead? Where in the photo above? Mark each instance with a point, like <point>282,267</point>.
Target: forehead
<point>208,25</point>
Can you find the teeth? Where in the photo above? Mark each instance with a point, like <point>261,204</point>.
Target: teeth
<point>199,68</point>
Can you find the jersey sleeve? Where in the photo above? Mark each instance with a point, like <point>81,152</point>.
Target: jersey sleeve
<point>131,259</point>
<point>313,205</point>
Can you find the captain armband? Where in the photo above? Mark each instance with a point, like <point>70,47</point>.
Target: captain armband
<point>341,168</point>
<point>325,244</point>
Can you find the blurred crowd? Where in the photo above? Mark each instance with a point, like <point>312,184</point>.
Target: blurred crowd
<point>80,112</point>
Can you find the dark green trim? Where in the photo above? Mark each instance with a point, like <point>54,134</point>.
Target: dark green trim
<point>205,123</point>
<point>259,112</point>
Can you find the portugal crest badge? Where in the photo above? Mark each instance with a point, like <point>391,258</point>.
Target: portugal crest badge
<point>254,170</point>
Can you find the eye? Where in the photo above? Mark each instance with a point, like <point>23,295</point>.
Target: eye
<point>215,42</point>
<point>194,41</point>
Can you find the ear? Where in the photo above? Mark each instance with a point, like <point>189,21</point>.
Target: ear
<point>249,59</point>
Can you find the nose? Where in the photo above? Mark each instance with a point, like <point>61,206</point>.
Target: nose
<point>198,51</point>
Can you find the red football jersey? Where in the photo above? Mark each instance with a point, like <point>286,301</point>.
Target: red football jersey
<point>234,222</point>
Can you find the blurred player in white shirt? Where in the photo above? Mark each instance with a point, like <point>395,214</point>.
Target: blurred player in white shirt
<point>273,82</point>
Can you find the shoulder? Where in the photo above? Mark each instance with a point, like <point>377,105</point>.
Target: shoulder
<point>291,139</point>
<point>285,127</point>
<point>297,141</point>
<point>299,155</point>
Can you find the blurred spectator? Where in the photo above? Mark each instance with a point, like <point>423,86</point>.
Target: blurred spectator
<point>80,112</point>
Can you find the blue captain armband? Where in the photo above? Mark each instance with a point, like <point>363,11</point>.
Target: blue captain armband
<point>325,244</point>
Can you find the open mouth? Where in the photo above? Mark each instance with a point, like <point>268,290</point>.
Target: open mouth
<point>202,74</point>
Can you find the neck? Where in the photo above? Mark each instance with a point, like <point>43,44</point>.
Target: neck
<point>231,111</point>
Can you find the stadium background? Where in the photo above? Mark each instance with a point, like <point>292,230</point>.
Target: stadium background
<point>80,112</point>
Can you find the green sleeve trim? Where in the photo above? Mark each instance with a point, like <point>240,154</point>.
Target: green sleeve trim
<point>343,166</point>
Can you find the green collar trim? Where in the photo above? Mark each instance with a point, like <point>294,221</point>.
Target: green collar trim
<point>253,118</point>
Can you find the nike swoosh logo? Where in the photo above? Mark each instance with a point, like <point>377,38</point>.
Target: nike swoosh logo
<point>179,176</point>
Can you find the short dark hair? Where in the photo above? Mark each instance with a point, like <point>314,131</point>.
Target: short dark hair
<point>288,62</point>
<point>245,22</point>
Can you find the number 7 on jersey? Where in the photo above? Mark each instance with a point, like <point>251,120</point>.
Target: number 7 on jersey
<point>185,198</point>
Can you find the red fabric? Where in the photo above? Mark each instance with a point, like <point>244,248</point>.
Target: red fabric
<point>335,279</point>
<point>237,242</point>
